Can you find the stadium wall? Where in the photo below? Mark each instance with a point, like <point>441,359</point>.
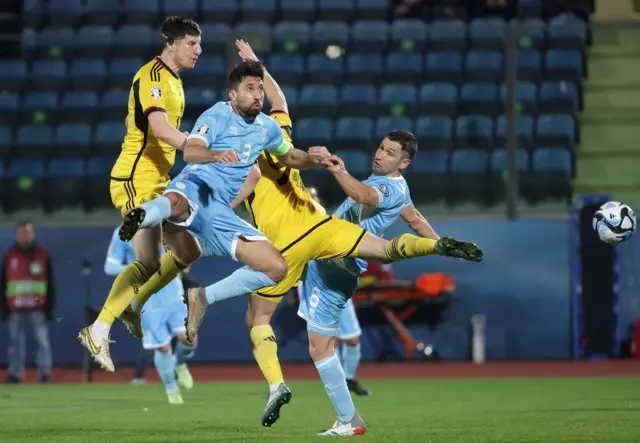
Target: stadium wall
<point>522,287</point>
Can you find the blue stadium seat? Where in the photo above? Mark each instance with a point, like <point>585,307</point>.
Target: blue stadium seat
<point>35,103</point>
<point>121,70</point>
<point>65,167</point>
<point>356,162</point>
<point>9,105</point>
<point>563,64</point>
<point>443,67</point>
<point>72,139</point>
<point>325,33</point>
<point>99,12</point>
<point>398,100</point>
<point>355,98</point>
<point>435,132</point>
<point>135,41</point>
<point>529,65</point>
<point>88,74</point>
<point>218,36</point>
<point>13,74</point>
<point>384,125</point>
<point>469,182</point>
<point>526,97</point>
<point>287,68</point>
<point>335,9</point>
<point>180,8</point>
<point>65,12</point>
<point>354,133</point>
<point>317,101</point>
<point>559,97</point>
<point>100,166</point>
<point>48,74</point>
<point>22,167</point>
<point>409,35</point>
<point>474,131</point>
<point>210,71</point>
<point>258,10</point>
<point>258,33</point>
<point>97,173</point>
<point>55,39</point>
<point>484,66</point>
<point>372,9</point>
<point>34,140</point>
<point>551,173</point>
<point>314,131</point>
<point>94,41</point>
<point>499,161</point>
<point>524,131</point>
<point>448,35</point>
<point>6,140</point>
<point>438,99</point>
<point>297,10</point>
<point>78,106</point>
<point>108,136</point>
<point>428,173</point>
<point>403,67</point>
<point>223,11</point>
<point>292,36</point>
<point>141,11</point>
<point>498,168</point>
<point>479,98</point>
<point>531,34</point>
<point>488,33</point>
<point>369,36</point>
<point>113,104</point>
<point>567,31</point>
<point>321,69</point>
<point>552,159</point>
<point>363,67</point>
<point>200,99</point>
<point>33,12</point>
<point>556,130</point>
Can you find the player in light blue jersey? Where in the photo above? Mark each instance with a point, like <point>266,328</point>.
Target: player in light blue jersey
<point>327,286</point>
<point>162,319</point>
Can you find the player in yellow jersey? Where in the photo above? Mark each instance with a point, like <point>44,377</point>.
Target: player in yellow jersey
<point>156,105</point>
<point>282,209</point>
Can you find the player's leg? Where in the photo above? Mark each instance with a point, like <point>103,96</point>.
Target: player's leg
<point>151,214</point>
<point>164,362</point>
<point>184,349</point>
<point>350,350</point>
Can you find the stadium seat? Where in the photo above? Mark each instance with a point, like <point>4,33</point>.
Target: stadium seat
<point>39,106</point>
<point>314,131</point>
<point>24,184</point>
<point>355,98</point>
<point>33,12</point>
<point>428,172</point>
<point>94,41</point>
<point>9,105</point>
<point>210,71</point>
<point>435,132</point>
<point>369,36</point>
<point>65,12</point>
<point>223,11</point>
<point>531,34</point>
<point>292,36</point>
<point>409,35</point>
<point>563,64</point>
<point>72,139</point>
<point>384,125</point>
<point>99,12</point>
<point>551,173</point>
<point>372,9</point>
<point>34,140</point>
<point>524,131</point>
<point>403,67</point>
<point>354,133</point>
<point>326,33</point>
<point>63,184</point>
<point>487,34</point>
<point>559,97</point>
<point>13,74</point>
<point>88,74</point>
<point>469,176</point>
<point>292,96</point>
<point>108,138</point>
<point>398,100</point>
<point>97,182</point>
<point>141,11</point>
<point>356,162</point>
<point>180,8</point>
<point>484,66</point>
<point>479,98</point>
<point>113,104</point>
<point>258,10</point>
<point>291,10</point>
<point>335,10</point>
<point>498,168</point>
<point>258,33</point>
<point>78,106</point>
<point>6,140</point>
<point>448,35</point>
<point>48,74</point>
<point>530,8</point>
<point>200,99</point>
<point>121,70</point>
<point>526,97</point>
<point>443,67</point>
<point>135,41</point>
<point>362,67</point>
<point>288,69</point>
<point>217,38</point>
<point>317,101</point>
<point>438,99</point>
<point>323,70</point>
<point>556,130</point>
<point>567,31</point>
<point>529,65</point>
<point>52,41</point>
<point>474,131</point>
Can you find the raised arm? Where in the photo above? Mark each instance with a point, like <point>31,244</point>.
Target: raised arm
<point>418,223</point>
<point>359,192</point>
<point>248,187</point>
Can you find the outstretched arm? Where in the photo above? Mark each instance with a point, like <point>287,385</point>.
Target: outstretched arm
<point>418,223</point>
<point>196,151</point>
<point>355,189</point>
<point>248,187</point>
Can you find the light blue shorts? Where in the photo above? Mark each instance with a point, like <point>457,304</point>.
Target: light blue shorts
<point>160,325</point>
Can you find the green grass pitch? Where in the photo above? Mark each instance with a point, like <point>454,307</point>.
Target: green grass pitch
<point>466,410</point>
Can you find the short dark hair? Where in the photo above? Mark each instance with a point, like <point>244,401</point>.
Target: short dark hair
<point>23,224</point>
<point>406,140</point>
<point>249,68</point>
<point>174,28</point>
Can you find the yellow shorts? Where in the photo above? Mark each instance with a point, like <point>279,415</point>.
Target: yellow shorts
<point>129,193</point>
<point>330,238</point>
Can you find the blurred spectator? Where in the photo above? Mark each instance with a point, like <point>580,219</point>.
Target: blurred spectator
<point>27,296</point>
<point>579,8</point>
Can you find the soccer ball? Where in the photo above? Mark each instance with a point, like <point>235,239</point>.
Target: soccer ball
<point>614,222</point>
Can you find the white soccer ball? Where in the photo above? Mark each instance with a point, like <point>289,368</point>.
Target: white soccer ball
<point>614,222</point>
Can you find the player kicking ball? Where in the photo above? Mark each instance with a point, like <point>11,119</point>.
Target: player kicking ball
<point>162,320</point>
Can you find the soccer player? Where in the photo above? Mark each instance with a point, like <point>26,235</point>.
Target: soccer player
<point>283,210</point>
<point>162,320</point>
<point>156,104</point>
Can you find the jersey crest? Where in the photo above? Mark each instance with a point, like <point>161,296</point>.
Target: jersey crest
<point>156,92</point>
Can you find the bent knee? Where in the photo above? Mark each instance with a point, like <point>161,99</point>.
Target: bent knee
<point>185,341</point>
<point>352,341</point>
<point>277,270</point>
<point>151,265</point>
<point>163,349</point>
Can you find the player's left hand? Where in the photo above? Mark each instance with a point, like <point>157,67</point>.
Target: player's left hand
<point>318,152</point>
<point>245,51</point>
<point>333,163</point>
<point>226,157</point>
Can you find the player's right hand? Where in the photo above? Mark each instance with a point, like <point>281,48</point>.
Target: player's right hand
<point>245,51</point>
<point>318,152</point>
<point>333,164</point>
<point>225,157</point>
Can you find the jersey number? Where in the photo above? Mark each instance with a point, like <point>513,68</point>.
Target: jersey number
<point>246,153</point>
<point>314,300</point>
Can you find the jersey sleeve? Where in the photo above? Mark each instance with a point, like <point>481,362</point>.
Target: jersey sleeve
<point>116,255</point>
<point>276,143</point>
<point>151,92</point>
<point>286,127</point>
<point>389,196</point>
<point>206,128</point>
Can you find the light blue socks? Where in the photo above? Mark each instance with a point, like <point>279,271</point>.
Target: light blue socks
<point>157,210</point>
<point>243,281</point>
<point>350,360</point>
<point>183,352</point>
<point>335,384</point>
<point>165,366</point>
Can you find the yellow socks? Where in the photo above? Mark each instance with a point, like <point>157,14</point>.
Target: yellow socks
<point>123,291</point>
<point>169,269</point>
<point>265,351</point>
<point>409,246</point>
